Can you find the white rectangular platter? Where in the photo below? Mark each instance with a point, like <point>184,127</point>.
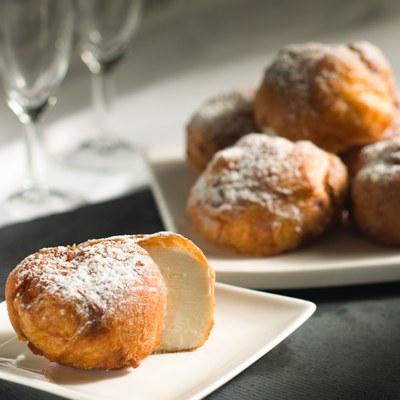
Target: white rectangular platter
<point>340,258</point>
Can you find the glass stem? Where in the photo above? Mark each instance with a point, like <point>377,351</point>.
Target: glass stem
<point>35,157</point>
<point>102,97</point>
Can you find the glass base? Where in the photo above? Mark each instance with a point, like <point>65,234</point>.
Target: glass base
<point>36,202</point>
<point>102,154</point>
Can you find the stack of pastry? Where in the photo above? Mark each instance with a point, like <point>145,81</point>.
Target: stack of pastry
<point>327,117</point>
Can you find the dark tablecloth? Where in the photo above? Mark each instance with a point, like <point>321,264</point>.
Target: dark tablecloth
<point>349,349</point>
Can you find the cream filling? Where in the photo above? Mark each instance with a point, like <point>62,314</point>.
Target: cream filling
<point>189,311</point>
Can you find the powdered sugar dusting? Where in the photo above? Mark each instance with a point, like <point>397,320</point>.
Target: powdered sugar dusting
<point>371,55</point>
<point>92,278</point>
<point>381,162</point>
<point>258,169</point>
<point>297,67</point>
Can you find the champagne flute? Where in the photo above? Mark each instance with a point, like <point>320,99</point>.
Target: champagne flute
<point>35,45</point>
<point>105,30</point>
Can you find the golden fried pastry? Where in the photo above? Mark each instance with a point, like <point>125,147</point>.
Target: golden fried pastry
<point>338,95</point>
<point>96,306</point>
<point>190,289</point>
<point>375,192</point>
<point>108,303</point>
<point>266,195</point>
<point>219,123</point>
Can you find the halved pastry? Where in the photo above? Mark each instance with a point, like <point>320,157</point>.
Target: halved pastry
<point>109,303</point>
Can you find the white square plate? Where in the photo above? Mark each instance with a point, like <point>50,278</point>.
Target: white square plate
<point>340,258</point>
<point>247,325</point>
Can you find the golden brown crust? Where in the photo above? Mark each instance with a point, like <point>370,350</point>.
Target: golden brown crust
<point>219,123</point>
<point>337,96</point>
<point>375,192</point>
<point>172,240</point>
<point>266,195</point>
<point>163,238</point>
<point>99,305</point>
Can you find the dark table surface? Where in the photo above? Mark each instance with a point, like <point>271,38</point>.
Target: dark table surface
<point>349,349</point>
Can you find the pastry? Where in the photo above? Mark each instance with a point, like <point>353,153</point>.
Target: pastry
<point>189,281</point>
<point>375,192</point>
<point>99,306</point>
<point>105,303</point>
<point>218,123</point>
<point>266,195</point>
<point>336,95</point>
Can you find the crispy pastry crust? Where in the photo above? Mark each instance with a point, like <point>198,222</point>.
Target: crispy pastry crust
<point>337,96</point>
<point>99,305</point>
<point>375,192</point>
<point>267,195</point>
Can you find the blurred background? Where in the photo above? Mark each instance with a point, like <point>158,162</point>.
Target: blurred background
<point>186,52</point>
